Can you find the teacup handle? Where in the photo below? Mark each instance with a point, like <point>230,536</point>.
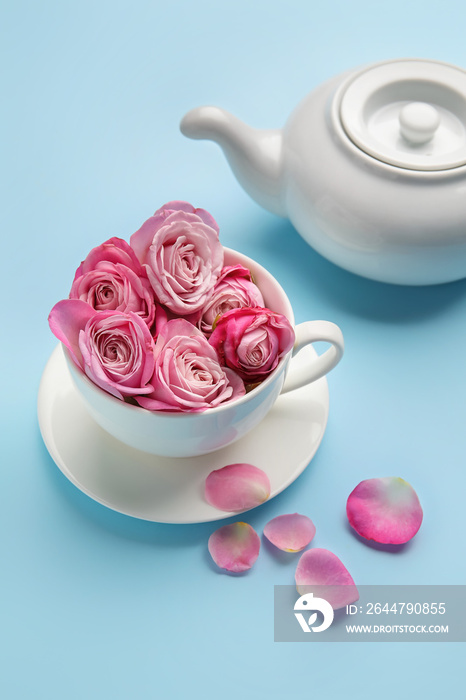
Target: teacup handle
<point>311,332</point>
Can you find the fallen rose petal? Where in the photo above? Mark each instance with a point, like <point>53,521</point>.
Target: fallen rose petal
<point>290,532</point>
<point>237,487</point>
<point>234,547</point>
<point>321,572</point>
<point>386,510</point>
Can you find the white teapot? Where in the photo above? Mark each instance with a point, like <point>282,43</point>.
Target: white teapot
<point>370,169</point>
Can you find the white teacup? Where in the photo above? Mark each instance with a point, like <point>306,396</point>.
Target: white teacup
<point>190,434</point>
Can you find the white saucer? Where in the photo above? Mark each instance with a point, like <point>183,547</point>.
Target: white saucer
<point>164,489</point>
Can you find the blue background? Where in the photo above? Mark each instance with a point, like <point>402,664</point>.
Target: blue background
<point>99,605</point>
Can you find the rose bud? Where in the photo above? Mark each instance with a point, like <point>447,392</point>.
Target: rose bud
<point>180,251</point>
<point>114,349</point>
<point>111,278</point>
<point>187,374</point>
<point>252,341</point>
<point>234,290</point>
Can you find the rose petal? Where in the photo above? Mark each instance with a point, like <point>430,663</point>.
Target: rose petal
<point>177,205</point>
<point>237,487</point>
<point>291,532</point>
<point>115,250</point>
<point>385,510</point>
<point>234,547</point>
<point>319,568</point>
<point>141,240</point>
<point>67,318</point>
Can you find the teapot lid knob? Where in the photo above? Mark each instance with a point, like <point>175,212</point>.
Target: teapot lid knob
<point>418,122</point>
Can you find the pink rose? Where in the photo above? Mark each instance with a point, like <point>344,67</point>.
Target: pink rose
<point>115,349</point>
<point>234,290</point>
<point>111,278</point>
<point>252,341</point>
<point>182,255</point>
<point>187,375</point>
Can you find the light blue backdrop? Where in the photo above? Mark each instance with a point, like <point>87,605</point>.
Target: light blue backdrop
<point>100,605</point>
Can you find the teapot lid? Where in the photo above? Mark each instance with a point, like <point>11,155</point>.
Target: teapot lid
<point>409,113</point>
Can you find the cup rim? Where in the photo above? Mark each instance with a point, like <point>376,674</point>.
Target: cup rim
<point>180,415</point>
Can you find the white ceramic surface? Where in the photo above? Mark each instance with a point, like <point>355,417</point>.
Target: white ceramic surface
<point>189,434</point>
<point>375,187</point>
<point>374,101</point>
<point>164,489</point>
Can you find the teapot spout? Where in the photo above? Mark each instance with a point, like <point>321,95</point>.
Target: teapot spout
<point>255,156</point>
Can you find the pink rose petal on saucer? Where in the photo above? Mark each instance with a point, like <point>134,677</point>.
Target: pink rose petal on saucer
<point>290,532</point>
<point>322,573</point>
<point>234,547</point>
<point>385,510</point>
<point>237,487</point>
